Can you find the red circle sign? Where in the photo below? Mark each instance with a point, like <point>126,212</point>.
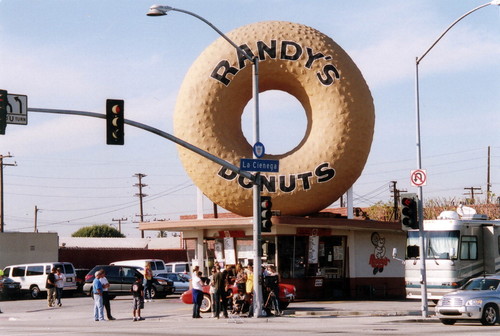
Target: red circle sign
<point>418,177</point>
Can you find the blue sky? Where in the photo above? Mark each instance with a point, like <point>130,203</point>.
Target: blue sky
<point>70,54</point>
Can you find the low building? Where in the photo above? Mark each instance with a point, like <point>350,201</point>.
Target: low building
<point>325,256</point>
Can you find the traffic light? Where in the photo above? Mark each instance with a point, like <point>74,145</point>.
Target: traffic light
<point>265,214</point>
<point>3,111</point>
<point>409,211</point>
<point>114,122</point>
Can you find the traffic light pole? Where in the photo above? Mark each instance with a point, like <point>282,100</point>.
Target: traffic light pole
<point>161,133</point>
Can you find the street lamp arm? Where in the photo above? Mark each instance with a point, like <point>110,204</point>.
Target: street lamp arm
<point>159,10</point>
<point>495,2</point>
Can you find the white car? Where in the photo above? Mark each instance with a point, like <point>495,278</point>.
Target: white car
<point>478,299</point>
<point>181,283</point>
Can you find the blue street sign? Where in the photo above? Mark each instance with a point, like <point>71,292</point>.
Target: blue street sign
<point>259,150</point>
<point>256,165</point>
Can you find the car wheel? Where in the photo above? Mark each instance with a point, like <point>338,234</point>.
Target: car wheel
<point>448,321</point>
<point>490,315</point>
<point>206,304</point>
<point>35,292</point>
<point>154,294</point>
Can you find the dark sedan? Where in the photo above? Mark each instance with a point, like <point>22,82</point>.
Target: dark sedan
<point>9,288</point>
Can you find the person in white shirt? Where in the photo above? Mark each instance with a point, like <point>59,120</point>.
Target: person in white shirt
<point>60,280</point>
<point>197,285</point>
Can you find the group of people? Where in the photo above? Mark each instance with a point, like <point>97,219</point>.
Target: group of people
<point>140,290</point>
<point>100,287</point>
<point>222,281</point>
<point>55,284</point>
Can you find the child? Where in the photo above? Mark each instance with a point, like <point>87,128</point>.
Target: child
<point>138,297</point>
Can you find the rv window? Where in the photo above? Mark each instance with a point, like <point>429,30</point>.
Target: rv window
<point>440,243</point>
<point>468,248</point>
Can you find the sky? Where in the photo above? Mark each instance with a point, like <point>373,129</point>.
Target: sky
<point>73,55</point>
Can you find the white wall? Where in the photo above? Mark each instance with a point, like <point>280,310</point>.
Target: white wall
<point>361,248</point>
<point>27,247</point>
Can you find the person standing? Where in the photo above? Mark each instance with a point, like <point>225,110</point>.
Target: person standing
<point>212,287</point>
<point>197,289</point>
<point>148,276</point>
<point>98,303</point>
<point>137,290</point>
<point>105,295</point>
<point>220,282</point>
<point>50,284</point>
<point>60,280</point>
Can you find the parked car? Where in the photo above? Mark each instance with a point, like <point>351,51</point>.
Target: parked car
<point>286,295</point>
<point>9,288</point>
<point>32,277</point>
<point>80,278</point>
<point>181,283</point>
<point>478,299</point>
<point>121,278</point>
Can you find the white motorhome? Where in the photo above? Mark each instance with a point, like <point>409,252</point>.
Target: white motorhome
<point>458,247</point>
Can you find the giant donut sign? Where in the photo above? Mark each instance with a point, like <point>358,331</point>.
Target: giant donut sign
<point>306,64</point>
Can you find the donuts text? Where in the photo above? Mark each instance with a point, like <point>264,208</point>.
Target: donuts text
<point>271,183</point>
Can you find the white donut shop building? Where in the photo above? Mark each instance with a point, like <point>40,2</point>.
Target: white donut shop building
<point>325,255</point>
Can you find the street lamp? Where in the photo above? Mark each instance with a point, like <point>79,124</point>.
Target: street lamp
<point>419,157</point>
<point>160,10</point>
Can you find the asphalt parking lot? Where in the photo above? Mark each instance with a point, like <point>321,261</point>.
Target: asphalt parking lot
<point>172,317</point>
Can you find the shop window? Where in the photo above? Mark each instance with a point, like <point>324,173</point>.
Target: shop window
<point>292,256</point>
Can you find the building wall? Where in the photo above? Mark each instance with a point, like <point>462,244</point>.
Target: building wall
<point>27,247</point>
<point>373,271</point>
<point>90,257</point>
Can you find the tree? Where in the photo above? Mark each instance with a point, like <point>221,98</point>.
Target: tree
<point>98,231</point>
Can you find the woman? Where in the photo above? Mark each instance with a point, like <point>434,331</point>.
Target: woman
<point>197,284</point>
<point>148,276</point>
<point>241,277</point>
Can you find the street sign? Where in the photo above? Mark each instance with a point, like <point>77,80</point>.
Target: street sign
<point>259,150</point>
<point>418,177</point>
<point>17,109</point>
<point>268,166</point>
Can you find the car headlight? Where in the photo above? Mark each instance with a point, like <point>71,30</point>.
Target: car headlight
<point>474,302</point>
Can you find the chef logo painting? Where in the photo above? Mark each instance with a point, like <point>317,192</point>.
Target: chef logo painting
<point>378,260</point>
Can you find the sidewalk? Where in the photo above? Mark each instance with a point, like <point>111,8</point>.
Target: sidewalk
<point>358,308</point>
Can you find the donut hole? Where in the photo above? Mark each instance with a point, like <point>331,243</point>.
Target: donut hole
<point>282,121</point>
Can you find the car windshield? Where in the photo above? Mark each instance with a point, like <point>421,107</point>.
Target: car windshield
<point>482,284</point>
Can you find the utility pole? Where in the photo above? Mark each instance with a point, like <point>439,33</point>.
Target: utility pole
<point>2,223</point>
<point>120,223</point>
<point>488,181</point>
<point>395,195</point>
<point>36,218</point>
<point>471,193</point>
<point>140,195</point>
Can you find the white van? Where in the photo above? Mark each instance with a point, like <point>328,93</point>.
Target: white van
<point>179,267</point>
<point>157,265</point>
<point>33,277</point>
